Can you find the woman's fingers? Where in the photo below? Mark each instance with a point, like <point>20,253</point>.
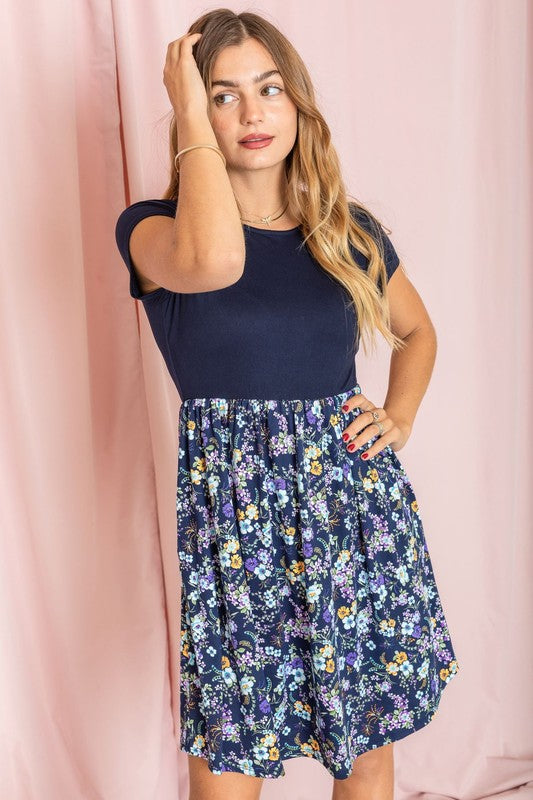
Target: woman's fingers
<point>363,427</point>
<point>182,78</point>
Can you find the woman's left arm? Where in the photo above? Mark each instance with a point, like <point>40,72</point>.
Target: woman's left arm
<point>409,374</point>
<point>410,368</point>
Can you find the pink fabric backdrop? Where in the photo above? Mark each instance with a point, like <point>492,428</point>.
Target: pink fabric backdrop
<point>431,122</point>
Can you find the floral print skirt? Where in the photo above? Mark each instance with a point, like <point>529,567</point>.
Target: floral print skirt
<point>311,623</point>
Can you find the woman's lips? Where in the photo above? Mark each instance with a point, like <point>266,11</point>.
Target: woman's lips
<point>251,145</point>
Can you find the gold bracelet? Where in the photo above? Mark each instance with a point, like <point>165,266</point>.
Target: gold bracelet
<point>193,147</point>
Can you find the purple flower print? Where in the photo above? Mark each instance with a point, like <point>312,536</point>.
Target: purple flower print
<point>264,705</point>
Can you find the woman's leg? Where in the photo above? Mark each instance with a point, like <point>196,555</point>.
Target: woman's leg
<point>372,777</point>
<point>204,785</point>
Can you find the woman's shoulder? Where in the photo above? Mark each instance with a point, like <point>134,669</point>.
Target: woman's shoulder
<point>363,216</point>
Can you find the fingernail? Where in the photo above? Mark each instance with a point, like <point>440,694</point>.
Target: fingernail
<point>351,447</point>
<point>345,407</point>
<point>345,436</point>
<point>365,455</point>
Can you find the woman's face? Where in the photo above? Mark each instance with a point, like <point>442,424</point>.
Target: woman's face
<point>250,107</point>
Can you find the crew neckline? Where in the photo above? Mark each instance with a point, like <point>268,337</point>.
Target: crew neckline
<point>269,230</point>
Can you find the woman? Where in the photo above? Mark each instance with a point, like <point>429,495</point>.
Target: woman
<point>311,622</point>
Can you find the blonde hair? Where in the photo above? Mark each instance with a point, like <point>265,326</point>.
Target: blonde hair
<point>316,191</point>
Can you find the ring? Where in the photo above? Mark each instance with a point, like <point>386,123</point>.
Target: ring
<point>375,414</point>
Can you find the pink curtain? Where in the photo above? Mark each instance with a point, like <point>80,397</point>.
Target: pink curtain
<point>429,104</point>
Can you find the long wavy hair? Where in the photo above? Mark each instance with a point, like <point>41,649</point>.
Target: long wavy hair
<point>316,191</point>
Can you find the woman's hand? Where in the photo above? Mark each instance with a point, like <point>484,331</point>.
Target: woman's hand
<point>182,78</point>
<point>363,428</point>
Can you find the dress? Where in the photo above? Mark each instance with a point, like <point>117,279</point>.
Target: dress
<point>311,623</point>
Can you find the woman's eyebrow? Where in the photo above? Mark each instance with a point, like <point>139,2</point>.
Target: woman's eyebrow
<point>257,79</point>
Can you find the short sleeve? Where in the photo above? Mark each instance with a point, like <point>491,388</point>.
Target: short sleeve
<point>125,224</point>
<point>391,258</point>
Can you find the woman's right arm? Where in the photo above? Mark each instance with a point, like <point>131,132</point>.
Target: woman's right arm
<point>203,248</point>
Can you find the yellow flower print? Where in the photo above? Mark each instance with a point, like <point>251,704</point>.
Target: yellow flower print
<point>273,754</point>
<point>312,452</point>
<point>444,673</point>
<point>225,662</point>
<point>240,514</point>
<point>343,612</point>
<point>199,464</point>
<point>191,425</point>
<point>316,468</point>
<point>334,419</point>
<point>252,512</point>
<point>269,739</point>
<point>299,706</point>
<point>237,456</point>
<point>414,506</point>
<point>330,665</point>
<point>232,545</point>
<point>327,650</point>
<point>373,474</point>
<point>236,560</point>
<point>392,667</point>
<point>400,657</point>
<point>344,556</point>
<point>297,567</point>
<point>308,747</point>
<point>195,476</point>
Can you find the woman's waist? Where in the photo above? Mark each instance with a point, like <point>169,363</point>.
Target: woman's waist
<point>219,401</point>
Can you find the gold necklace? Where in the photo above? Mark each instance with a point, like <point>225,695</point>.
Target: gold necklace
<point>269,218</point>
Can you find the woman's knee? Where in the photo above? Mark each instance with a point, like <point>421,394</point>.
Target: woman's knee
<point>373,763</point>
<point>205,785</point>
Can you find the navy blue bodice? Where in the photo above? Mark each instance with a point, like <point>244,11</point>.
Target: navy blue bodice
<point>285,329</point>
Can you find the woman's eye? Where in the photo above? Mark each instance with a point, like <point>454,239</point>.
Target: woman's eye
<point>217,99</point>
<point>271,86</point>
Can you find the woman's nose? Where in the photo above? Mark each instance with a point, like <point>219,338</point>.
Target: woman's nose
<point>251,110</point>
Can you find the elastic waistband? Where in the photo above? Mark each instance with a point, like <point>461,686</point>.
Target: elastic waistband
<point>256,403</point>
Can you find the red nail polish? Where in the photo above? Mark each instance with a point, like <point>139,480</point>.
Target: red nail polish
<point>365,455</point>
<point>351,447</point>
<point>345,407</point>
<point>345,436</point>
